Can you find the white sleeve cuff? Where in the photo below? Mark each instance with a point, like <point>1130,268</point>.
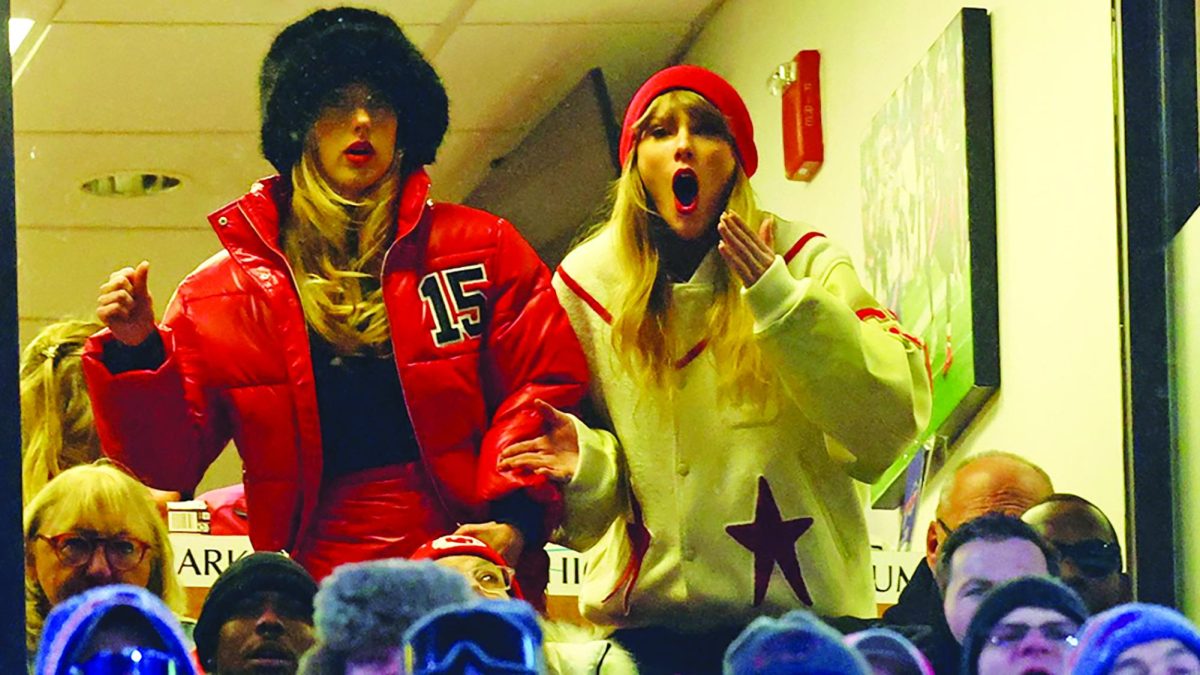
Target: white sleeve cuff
<point>774,294</point>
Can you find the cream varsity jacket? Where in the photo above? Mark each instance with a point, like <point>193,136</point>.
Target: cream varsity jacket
<point>696,514</point>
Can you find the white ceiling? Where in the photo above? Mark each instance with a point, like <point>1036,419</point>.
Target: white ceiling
<point>171,86</point>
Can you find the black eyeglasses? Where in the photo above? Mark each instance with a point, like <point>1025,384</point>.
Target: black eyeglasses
<point>949,530</point>
<point>1093,557</point>
<point>75,550</point>
<point>1010,634</point>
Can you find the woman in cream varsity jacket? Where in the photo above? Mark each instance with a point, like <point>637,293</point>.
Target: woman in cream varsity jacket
<point>751,386</point>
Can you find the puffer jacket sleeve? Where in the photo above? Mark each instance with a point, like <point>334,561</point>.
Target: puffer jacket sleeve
<point>160,423</point>
<point>846,362</point>
<point>531,353</point>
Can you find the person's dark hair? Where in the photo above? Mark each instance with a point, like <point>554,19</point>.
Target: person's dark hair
<point>990,527</point>
<point>259,572</point>
<point>1038,592</point>
<point>1067,498</point>
<point>331,48</point>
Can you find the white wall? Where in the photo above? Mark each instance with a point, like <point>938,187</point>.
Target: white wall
<point>1185,365</point>
<point>1060,398</point>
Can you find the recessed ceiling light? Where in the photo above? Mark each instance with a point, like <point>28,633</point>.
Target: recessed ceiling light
<point>131,184</point>
<point>18,28</point>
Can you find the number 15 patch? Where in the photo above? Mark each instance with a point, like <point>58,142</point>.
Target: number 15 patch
<point>457,304</point>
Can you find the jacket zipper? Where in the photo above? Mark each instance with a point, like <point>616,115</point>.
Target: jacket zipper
<point>429,475</point>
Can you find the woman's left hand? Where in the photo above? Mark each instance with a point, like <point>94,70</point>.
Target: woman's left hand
<point>749,254</point>
<point>506,539</point>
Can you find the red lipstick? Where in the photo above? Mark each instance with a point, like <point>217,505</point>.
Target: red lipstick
<point>359,152</point>
<point>686,186</point>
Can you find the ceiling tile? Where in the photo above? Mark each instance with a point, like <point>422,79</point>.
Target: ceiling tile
<point>87,77</point>
<point>216,168</point>
<point>508,77</point>
<point>275,12</point>
<point>465,158</point>
<point>608,11</point>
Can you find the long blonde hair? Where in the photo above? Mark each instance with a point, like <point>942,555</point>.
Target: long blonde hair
<point>642,332</point>
<point>57,428</point>
<point>336,247</point>
<point>99,487</point>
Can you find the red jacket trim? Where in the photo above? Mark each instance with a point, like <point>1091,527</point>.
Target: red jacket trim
<point>604,314</point>
<point>639,542</point>
<point>691,355</point>
<point>795,249</point>
<point>585,296</point>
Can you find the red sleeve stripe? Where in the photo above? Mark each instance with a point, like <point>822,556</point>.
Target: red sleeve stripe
<point>691,355</point>
<point>873,313</point>
<point>795,249</point>
<point>585,296</point>
<point>907,336</point>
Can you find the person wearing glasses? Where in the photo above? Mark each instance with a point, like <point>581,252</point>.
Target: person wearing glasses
<point>482,566</point>
<point>1088,549</point>
<point>978,556</point>
<point>93,525</point>
<point>569,649</point>
<point>1027,625</point>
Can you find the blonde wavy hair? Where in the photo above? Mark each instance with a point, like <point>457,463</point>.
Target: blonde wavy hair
<point>57,429</point>
<point>75,496</point>
<point>642,331</point>
<point>336,247</point>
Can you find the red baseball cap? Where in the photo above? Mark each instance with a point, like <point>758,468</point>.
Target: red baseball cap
<point>713,88</point>
<point>461,544</point>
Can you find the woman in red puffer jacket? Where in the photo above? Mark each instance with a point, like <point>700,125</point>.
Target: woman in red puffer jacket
<point>369,351</point>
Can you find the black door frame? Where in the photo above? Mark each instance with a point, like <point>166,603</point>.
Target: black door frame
<point>12,556</point>
<point>1162,188</point>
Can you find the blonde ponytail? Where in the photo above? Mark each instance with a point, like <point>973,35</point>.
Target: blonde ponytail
<point>57,428</point>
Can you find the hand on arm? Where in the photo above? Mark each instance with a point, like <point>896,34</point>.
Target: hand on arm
<point>125,305</point>
<point>554,454</point>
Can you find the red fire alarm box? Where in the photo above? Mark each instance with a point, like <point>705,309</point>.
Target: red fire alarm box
<point>803,146</point>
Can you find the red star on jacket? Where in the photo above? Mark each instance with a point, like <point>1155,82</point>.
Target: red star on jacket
<point>773,542</point>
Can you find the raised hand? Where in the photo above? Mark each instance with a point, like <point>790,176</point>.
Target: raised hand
<point>504,538</point>
<point>125,305</point>
<point>747,253</point>
<point>554,454</point>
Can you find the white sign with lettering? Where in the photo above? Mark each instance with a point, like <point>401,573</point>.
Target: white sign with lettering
<point>201,558</point>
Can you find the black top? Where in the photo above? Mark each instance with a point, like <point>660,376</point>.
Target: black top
<point>364,420</point>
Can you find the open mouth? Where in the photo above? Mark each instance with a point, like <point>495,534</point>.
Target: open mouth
<point>687,191</point>
<point>359,152</point>
<point>272,655</point>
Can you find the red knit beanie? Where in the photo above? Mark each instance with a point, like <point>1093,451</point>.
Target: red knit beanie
<point>460,544</point>
<point>713,88</point>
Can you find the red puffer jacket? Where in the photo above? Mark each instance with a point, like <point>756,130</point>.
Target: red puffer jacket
<point>477,332</point>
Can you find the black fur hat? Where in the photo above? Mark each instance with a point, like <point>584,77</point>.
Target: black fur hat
<point>331,48</point>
